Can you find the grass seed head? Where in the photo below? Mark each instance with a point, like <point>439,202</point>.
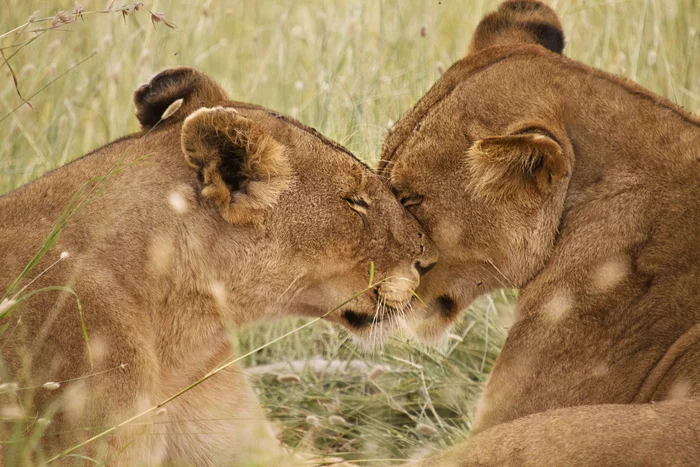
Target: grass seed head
<point>12,412</point>
<point>6,388</point>
<point>175,199</point>
<point>288,379</point>
<point>6,304</point>
<point>313,420</point>
<point>377,372</point>
<point>172,108</point>
<point>337,420</point>
<point>425,429</point>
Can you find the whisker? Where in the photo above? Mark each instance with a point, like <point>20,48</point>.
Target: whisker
<point>382,312</point>
<point>381,327</point>
<point>374,317</point>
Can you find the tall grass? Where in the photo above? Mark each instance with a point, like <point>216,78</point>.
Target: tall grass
<point>350,69</point>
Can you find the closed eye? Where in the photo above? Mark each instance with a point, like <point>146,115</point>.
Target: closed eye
<point>361,207</point>
<point>356,203</point>
<point>411,200</point>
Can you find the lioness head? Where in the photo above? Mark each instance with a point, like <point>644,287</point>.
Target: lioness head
<point>483,162</point>
<point>305,226</point>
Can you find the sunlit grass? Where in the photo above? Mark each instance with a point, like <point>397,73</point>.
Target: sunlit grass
<point>349,69</point>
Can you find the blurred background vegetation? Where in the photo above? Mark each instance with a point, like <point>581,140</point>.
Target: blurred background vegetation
<point>349,68</point>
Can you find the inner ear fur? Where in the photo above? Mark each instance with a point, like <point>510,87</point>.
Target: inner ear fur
<point>519,22</point>
<point>242,168</point>
<point>189,84</point>
<point>520,165</point>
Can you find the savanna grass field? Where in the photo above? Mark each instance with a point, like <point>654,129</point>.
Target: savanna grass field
<point>348,68</point>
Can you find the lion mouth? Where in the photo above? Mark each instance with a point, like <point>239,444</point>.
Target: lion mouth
<point>446,306</point>
<point>361,320</point>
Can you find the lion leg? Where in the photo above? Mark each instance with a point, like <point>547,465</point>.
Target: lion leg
<point>89,408</point>
<point>223,419</point>
<point>660,434</point>
<point>105,378</point>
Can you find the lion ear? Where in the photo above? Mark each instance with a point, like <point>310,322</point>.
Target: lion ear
<point>242,168</point>
<point>192,88</point>
<point>519,22</point>
<point>527,162</point>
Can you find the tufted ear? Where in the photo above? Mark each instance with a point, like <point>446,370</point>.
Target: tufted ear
<point>189,84</point>
<point>528,162</point>
<point>243,169</point>
<point>518,22</point>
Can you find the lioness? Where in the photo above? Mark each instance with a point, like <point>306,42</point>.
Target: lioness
<point>211,217</point>
<point>581,189</point>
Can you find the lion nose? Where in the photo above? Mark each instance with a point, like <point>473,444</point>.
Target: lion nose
<point>423,267</point>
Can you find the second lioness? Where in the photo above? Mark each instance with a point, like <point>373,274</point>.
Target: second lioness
<point>531,170</point>
<point>209,218</point>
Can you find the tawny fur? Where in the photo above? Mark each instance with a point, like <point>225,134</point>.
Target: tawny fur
<point>606,259</point>
<point>166,262</point>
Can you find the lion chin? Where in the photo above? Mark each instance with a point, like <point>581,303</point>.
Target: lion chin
<point>431,323</point>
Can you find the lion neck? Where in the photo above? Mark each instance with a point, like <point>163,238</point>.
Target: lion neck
<point>213,285</point>
<point>620,288</point>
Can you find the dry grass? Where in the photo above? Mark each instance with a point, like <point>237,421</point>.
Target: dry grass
<point>348,68</point>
